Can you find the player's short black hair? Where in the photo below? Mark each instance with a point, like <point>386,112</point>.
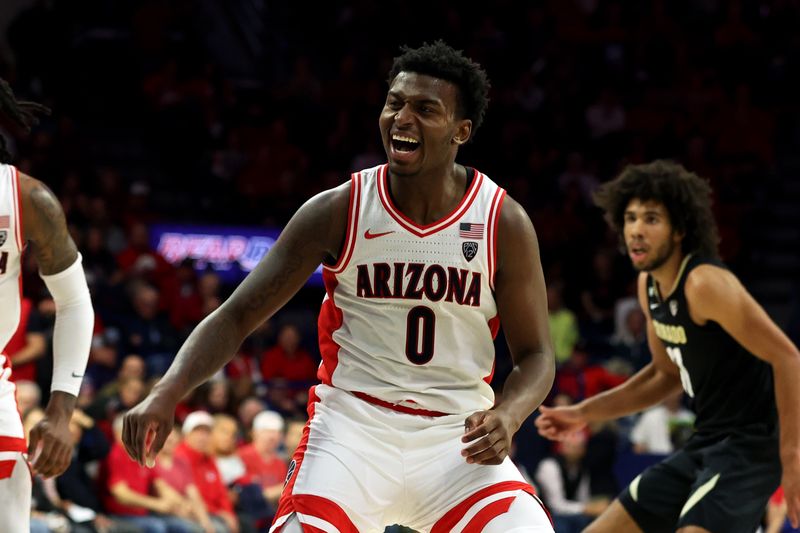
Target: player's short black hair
<point>685,195</point>
<point>440,60</point>
<point>22,113</point>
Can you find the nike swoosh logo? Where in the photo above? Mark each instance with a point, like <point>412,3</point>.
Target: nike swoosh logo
<point>74,375</point>
<point>368,235</point>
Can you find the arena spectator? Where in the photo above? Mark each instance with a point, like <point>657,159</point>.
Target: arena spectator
<point>28,344</point>
<point>248,410</point>
<point>224,438</point>
<point>131,495</point>
<point>195,450</point>
<point>179,481</point>
<point>565,485</point>
<point>578,378</point>
<point>563,323</point>
<point>261,459</point>
<point>663,428</point>
<point>146,332</point>
<point>29,396</point>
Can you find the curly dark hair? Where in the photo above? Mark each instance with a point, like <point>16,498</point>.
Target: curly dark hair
<point>23,114</point>
<point>685,195</point>
<point>444,62</point>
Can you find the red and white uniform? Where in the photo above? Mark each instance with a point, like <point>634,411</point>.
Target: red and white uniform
<point>409,316</point>
<point>15,480</point>
<point>406,334</point>
<point>11,435</point>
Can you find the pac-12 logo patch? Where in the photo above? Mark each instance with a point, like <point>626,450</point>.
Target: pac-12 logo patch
<point>673,307</point>
<point>470,249</point>
<point>292,466</point>
<point>3,237</point>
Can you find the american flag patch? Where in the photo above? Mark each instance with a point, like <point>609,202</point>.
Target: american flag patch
<point>5,221</point>
<point>469,230</point>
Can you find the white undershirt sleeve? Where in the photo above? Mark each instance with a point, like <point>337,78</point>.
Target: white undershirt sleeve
<point>72,335</point>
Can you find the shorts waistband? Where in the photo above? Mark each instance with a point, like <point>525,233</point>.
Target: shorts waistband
<point>395,407</point>
<point>12,444</point>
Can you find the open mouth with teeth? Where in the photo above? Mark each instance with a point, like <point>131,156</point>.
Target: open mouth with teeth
<point>403,143</point>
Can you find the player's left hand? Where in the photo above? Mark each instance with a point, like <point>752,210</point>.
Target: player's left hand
<point>491,432</point>
<point>791,492</point>
<point>50,447</point>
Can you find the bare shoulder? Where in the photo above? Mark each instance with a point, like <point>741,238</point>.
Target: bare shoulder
<point>38,201</point>
<point>45,226</point>
<point>713,293</point>
<point>517,244</point>
<point>710,281</point>
<point>513,215</point>
<point>325,217</point>
<point>514,226</point>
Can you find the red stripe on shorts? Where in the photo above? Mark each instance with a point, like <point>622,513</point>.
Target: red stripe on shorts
<point>325,509</point>
<point>6,468</point>
<point>491,511</point>
<point>454,515</point>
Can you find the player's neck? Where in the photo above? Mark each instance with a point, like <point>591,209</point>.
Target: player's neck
<point>667,274</point>
<point>427,198</point>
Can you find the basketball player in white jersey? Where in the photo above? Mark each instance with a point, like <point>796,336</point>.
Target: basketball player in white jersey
<point>29,212</point>
<point>423,260</point>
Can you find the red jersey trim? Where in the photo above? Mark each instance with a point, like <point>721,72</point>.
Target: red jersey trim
<point>13,444</point>
<point>429,229</point>
<point>494,217</point>
<point>19,234</point>
<point>353,209</point>
<point>330,320</point>
<point>452,517</point>
<point>17,210</point>
<point>395,407</point>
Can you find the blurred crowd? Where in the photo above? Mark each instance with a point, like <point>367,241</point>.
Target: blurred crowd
<point>180,111</point>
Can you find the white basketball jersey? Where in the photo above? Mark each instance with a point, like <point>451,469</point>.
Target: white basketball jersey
<point>10,252</point>
<point>409,315</point>
<point>11,243</point>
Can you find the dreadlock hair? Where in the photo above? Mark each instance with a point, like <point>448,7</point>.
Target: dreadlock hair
<point>22,113</point>
<point>441,61</point>
<point>685,195</point>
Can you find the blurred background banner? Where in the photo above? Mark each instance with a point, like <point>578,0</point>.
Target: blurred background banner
<point>231,252</point>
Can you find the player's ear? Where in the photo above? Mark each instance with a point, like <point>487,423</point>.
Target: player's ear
<point>463,132</point>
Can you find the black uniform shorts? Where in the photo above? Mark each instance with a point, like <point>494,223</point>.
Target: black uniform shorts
<point>720,483</point>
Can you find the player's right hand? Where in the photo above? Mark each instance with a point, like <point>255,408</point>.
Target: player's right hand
<point>146,427</point>
<point>556,423</point>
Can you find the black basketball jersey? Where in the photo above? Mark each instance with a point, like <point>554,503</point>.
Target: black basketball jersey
<point>729,387</point>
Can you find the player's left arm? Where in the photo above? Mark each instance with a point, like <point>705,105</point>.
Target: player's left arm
<point>522,306</point>
<point>45,227</point>
<point>714,293</point>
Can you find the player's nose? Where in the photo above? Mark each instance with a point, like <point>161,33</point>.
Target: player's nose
<point>403,116</point>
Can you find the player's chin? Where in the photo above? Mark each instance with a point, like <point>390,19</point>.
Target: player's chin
<point>398,168</point>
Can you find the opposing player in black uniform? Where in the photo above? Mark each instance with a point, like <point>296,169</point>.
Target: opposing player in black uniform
<point>708,335</point>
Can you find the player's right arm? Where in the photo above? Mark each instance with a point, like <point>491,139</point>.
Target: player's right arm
<point>651,385</point>
<point>313,235</point>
